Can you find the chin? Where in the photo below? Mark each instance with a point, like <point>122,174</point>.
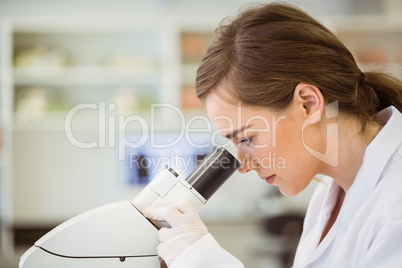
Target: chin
<point>289,191</point>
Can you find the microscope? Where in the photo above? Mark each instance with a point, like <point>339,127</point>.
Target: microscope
<point>117,235</point>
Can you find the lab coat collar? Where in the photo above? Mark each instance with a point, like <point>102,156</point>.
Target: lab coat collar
<point>326,208</point>
<point>376,156</point>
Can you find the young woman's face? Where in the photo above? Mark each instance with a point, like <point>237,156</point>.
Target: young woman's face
<point>270,143</point>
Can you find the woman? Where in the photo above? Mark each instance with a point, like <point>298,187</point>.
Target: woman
<point>301,96</point>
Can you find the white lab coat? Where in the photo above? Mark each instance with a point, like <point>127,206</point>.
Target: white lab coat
<point>368,230</point>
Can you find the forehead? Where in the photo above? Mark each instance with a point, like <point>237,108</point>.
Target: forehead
<point>229,114</point>
<point>219,103</point>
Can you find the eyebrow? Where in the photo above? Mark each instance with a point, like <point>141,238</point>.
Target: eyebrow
<point>234,133</point>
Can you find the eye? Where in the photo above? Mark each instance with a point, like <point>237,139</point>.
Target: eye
<point>246,140</point>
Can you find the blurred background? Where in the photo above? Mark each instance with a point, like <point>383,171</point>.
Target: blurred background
<point>73,74</point>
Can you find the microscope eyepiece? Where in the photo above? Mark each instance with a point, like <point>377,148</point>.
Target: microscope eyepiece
<point>213,171</point>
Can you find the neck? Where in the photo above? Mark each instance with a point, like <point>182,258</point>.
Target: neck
<point>352,144</point>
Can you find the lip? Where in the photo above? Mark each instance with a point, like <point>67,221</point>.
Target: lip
<point>270,180</point>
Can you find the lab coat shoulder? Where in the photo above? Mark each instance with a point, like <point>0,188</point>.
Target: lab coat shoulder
<point>206,252</point>
<point>387,197</point>
<point>385,250</point>
<point>385,247</point>
<point>376,227</point>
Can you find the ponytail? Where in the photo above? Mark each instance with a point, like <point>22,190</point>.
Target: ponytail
<point>387,89</point>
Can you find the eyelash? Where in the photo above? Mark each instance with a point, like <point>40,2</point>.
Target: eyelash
<point>246,140</point>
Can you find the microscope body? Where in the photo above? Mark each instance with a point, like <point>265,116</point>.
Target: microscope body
<point>115,235</point>
<point>118,235</point>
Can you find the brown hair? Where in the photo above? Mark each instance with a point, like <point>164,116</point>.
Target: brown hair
<point>265,51</point>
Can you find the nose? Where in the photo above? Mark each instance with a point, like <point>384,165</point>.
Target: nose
<point>244,164</point>
<point>243,169</point>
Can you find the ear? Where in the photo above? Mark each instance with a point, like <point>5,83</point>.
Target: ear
<point>308,99</point>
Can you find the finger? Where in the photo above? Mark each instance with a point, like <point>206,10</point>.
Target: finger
<point>162,203</point>
<point>164,234</point>
<point>162,250</point>
<point>185,206</point>
<point>160,213</point>
<point>169,214</point>
<point>165,250</point>
<point>153,213</point>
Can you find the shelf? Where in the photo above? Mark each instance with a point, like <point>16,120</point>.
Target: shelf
<point>87,75</point>
<point>374,41</point>
<point>365,24</point>
<point>65,25</point>
<point>162,119</point>
<point>83,120</point>
<point>394,69</point>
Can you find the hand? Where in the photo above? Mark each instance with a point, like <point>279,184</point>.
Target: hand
<point>187,227</point>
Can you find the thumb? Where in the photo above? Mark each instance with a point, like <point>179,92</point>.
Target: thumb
<point>172,212</point>
<point>169,214</point>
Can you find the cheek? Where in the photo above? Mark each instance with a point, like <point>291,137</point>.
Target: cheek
<point>272,150</point>
<point>289,146</point>
<point>251,157</point>
<point>287,140</point>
